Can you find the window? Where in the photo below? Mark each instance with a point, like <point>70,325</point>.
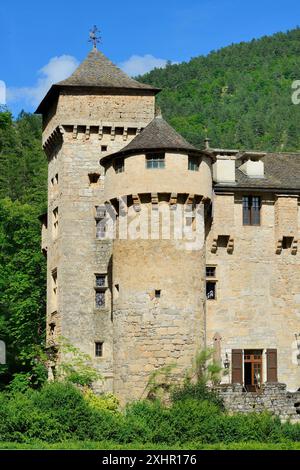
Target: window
<point>100,289</point>
<point>211,283</point>
<point>119,165</point>
<point>54,280</point>
<point>154,161</point>
<point>54,289</point>
<point>103,148</point>
<point>100,299</point>
<point>210,290</point>
<point>157,294</point>
<point>251,210</point>
<point>55,222</point>
<point>193,163</point>
<point>100,280</point>
<point>98,349</point>
<point>210,271</point>
<point>100,222</point>
<point>54,180</point>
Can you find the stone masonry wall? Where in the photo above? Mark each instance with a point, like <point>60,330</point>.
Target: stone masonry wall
<point>257,305</point>
<point>273,397</point>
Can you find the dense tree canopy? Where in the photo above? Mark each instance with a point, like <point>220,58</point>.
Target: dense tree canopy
<point>241,94</point>
<point>23,171</point>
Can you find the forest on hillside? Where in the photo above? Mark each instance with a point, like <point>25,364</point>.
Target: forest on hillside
<point>240,96</point>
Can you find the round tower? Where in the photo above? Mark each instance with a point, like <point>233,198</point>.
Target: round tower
<point>160,187</point>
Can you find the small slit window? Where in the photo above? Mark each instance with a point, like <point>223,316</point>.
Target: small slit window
<point>98,349</point>
<point>210,271</point>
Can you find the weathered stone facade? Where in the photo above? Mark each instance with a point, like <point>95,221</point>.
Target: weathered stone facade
<point>272,398</point>
<point>152,308</point>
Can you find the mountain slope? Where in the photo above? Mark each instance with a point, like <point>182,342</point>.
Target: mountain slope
<point>241,94</point>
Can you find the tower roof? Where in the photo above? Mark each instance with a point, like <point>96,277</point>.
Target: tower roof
<point>157,135</point>
<point>96,71</point>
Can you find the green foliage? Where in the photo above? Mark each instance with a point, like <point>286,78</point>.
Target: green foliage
<point>23,289</point>
<point>59,411</point>
<point>23,165</point>
<point>76,367</point>
<point>241,94</point>
<point>160,382</point>
<point>205,369</point>
<point>106,401</point>
<point>197,391</point>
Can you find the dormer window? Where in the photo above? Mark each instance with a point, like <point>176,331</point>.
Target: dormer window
<point>119,165</point>
<point>193,163</point>
<point>155,160</point>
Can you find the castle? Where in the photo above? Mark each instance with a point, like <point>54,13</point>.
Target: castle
<point>156,249</point>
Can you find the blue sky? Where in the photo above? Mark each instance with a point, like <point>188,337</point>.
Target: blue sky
<point>42,41</point>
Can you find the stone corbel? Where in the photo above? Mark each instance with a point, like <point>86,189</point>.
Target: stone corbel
<point>173,201</point>
<point>278,248</point>
<point>190,200</point>
<point>87,132</point>
<point>230,245</point>
<point>138,131</point>
<point>154,201</point>
<point>136,203</point>
<point>214,246</point>
<point>294,247</point>
<point>75,132</point>
<point>113,133</point>
<point>125,133</point>
<point>100,133</point>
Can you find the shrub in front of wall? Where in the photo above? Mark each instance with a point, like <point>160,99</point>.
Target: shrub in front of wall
<point>195,420</point>
<point>147,421</point>
<point>108,401</point>
<point>198,391</point>
<point>242,427</point>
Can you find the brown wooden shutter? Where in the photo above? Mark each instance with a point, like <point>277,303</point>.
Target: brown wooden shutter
<point>272,365</point>
<point>237,366</point>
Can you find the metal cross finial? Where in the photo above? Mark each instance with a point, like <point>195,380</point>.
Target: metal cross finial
<point>93,36</point>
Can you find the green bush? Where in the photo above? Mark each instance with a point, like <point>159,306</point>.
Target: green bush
<point>60,412</point>
<point>193,419</point>
<point>198,391</point>
<point>147,421</point>
<point>106,401</point>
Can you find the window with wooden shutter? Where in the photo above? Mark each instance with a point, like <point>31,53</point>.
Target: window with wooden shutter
<point>272,365</point>
<point>237,366</point>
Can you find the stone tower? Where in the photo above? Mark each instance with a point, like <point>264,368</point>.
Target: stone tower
<point>134,304</point>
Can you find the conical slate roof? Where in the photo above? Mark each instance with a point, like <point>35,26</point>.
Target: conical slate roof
<point>96,71</point>
<point>157,135</point>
